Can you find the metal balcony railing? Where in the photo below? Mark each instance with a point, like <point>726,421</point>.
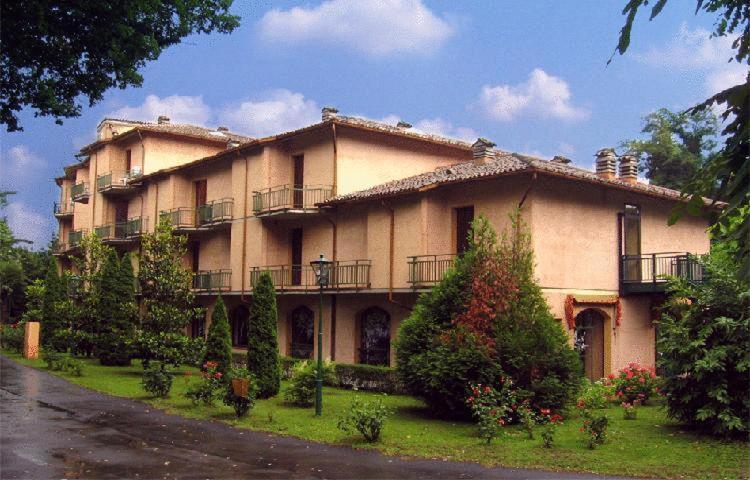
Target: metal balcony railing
<point>428,269</point>
<point>206,280</point>
<point>351,274</point>
<point>290,197</point>
<point>215,213</point>
<point>127,230</point>
<point>60,248</point>
<point>650,272</point>
<point>75,237</point>
<point>117,180</point>
<point>79,192</point>
<point>63,209</point>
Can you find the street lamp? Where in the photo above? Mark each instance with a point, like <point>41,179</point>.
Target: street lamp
<point>322,269</point>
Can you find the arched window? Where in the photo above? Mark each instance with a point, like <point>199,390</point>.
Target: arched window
<point>238,320</point>
<point>589,341</point>
<point>375,337</point>
<point>198,327</point>
<point>301,333</point>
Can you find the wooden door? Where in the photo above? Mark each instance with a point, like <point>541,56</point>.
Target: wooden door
<point>121,211</point>
<point>464,217</point>
<point>295,242</point>
<point>590,330</point>
<point>299,181</point>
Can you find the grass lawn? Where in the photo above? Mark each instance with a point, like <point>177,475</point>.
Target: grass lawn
<point>650,446</point>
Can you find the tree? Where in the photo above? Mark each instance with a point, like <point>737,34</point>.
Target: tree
<point>87,321</point>
<point>678,145</point>
<point>117,312</point>
<point>63,50</point>
<point>725,175</point>
<point>167,299</point>
<point>219,343</point>
<point>485,319</point>
<point>262,345</point>
<point>53,327</point>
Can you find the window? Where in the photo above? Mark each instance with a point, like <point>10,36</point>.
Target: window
<point>299,180</point>
<point>239,319</point>
<point>128,160</point>
<point>464,217</point>
<point>198,327</point>
<point>375,337</point>
<point>632,230</point>
<point>295,239</point>
<point>301,333</point>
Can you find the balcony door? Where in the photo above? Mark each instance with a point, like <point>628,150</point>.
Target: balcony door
<point>121,211</point>
<point>295,241</point>
<point>194,247</point>
<point>464,217</point>
<point>298,181</point>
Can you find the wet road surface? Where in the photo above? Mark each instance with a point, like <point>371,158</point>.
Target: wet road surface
<point>50,428</point>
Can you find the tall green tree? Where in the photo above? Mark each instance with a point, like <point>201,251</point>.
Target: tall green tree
<point>53,328</point>
<point>117,312</point>
<point>726,175</point>
<point>90,275</point>
<point>678,144</point>
<point>219,342</point>
<point>57,53</point>
<point>262,342</point>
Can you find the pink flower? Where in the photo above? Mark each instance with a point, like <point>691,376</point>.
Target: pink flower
<point>217,375</point>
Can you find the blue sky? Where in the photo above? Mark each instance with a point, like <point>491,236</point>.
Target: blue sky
<point>531,76</point>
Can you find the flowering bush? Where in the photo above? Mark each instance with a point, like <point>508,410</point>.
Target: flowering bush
<point>492,408</point>
<point>594,426</point>
<point>635,383</point>
<point>597,394</point>
<point>206,389</point>
<point>629,410</point>
<point>550,421</point>
<point>365,417</point>
<point>11,336</point>
<point>157,379</point>
<point>527,418</point>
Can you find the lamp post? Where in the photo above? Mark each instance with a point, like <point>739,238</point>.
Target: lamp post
<point>322,269</point>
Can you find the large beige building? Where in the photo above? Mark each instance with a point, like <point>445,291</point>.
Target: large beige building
<point>391,207</point>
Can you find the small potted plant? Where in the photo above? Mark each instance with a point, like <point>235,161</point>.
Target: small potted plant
<point>240,382</point>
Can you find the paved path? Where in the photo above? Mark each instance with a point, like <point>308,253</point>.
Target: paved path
<point>50,428</point>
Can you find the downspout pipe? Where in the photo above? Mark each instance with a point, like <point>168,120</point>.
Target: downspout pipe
<point>391,253</point>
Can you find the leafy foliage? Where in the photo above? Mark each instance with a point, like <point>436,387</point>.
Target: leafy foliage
<point>11,336</point>
<point>54,302</point>
<point>635,383</point>
<point>63,50</point>
<point>88,317</point>
<point>596,394</point>
<point>263,347</point>
<point>492,407</point>
<point>485,319</point>
<point>157,379</point>
<point>301,389</point>
<point>241,403</point>
<point>58,361</point>
<point>117,312</point>
<point>704,341</point>
<point>367,418</point>
<point>206,389</point>
<point>219,342</point>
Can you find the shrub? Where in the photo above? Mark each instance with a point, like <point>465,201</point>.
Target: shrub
<point>375,378</point>
<point>486,316</point>
<point>219,342</point>
<point>169,348</point>
<point>157,379</point>
<point>263,348</point>
<point>11,336</point>
<point>301,389</point>
<point>597,394</point>
<point>629,411</point>
<point>367,418</point>
<point>205,390</point>
<point>527,418</point>
<point>492,408</point>
<point>118,312</point>
<point>635,383</point>
<point>595,429</point>
<point>63,362</point>
<point>51,323</point>
<point>550,421</point>
<point>704,337</point>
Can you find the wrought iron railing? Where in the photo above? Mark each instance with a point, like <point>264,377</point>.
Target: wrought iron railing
<point>213,213</point>
<point>127,230</point>
<point>290,197</point>
<point>65,208</point>
<point>212,279</point>
<point>654,269</point>
<point>75,237</point>
<point>429,269</point>
<point>182,217</point>
<point>116,179</point>
<point>79,190</point>
<point>347,274</point>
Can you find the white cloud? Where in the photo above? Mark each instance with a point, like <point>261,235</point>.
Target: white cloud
<point>18,165</point>
<point>542,95</point>
<point>439,126</point>
<point>29,225</point>
<point>695,50</point>
<point>279,111</point>
<point>376,28</point>
<point>179,108</point>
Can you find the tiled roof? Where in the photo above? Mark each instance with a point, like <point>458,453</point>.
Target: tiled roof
<point>502,164</point>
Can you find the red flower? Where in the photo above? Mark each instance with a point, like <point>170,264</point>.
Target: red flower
<point>544,411</point>
<point>217,375</point>
<point>470,399</point>
<point>611,376</point>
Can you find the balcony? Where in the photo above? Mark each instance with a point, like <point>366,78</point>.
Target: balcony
<point>64,210</point>
<point>649,273</point>
<point>212,280</point>
<point>290,200</point>
<point>427,270</point>
<point>118,183</point>
<point>60,249</point>
<point>121,232</point>
<point>80,192</point>
<point>351,274</point>
<point>213,215</point>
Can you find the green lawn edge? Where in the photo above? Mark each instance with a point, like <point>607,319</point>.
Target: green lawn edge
<point>650,446</point>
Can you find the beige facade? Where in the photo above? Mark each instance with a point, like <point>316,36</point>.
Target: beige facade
<point>389,206</point>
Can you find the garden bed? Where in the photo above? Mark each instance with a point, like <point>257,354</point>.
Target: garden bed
<point>650,446</point>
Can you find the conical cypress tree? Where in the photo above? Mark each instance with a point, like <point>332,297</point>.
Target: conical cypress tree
<point>116,311</point>
<point>52,331</point>
<point>263,347</point>
<point>219,343</point>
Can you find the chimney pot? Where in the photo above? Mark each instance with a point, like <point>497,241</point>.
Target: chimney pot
<point>329,113</point>
<point>222,129</point>
<point>233,144</point>
<point>629,168</point>
<point>560,159</point>
<point>606,161</point>
<point>402,124</point>
<point>162,119</point>
<point>482,151</point>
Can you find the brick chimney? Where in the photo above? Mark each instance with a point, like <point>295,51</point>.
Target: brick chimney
<point>606,162</point>
<point>404,125</point>
<point>629,168</point>
<point>329,113</point>
<point>162,119</point>
<point>482,151</point>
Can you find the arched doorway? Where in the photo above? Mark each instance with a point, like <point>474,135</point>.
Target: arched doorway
<point>238,319</point>
<point>375,337</point>
<point>301,333</point>
<point>589,340</point>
